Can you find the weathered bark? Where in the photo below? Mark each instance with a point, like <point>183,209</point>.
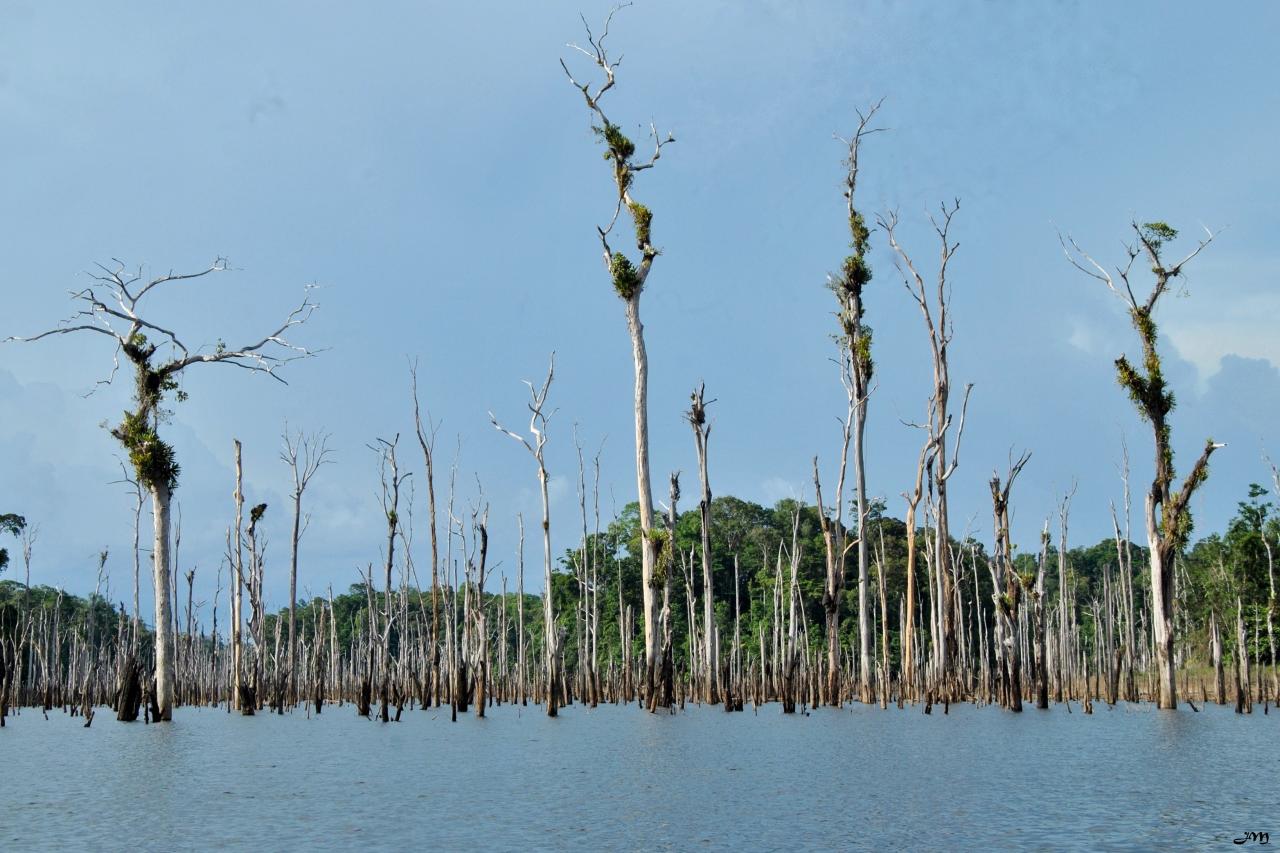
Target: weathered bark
<point>1215,655</point>
<point>1062,669</point>
<point>1041,653</point>
<point>128,698</point>
<point>237,587</point>
<point>1244,694</point>
<point>652,602</point>
<point>1004,576</point>
<point>160,498</point>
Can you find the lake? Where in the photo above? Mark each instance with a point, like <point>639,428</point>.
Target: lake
<point>1129,777</point>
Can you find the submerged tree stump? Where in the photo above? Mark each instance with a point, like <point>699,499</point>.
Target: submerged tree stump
<point>128,698</point>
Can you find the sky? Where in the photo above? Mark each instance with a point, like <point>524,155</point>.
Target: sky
<point>430,169</point>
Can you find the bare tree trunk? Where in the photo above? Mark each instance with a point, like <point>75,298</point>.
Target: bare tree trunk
<point>160,498</point>
<point>1064,512</point>
<point>697,417</point>
<point>237,588</point>
<point>293,596</point>
<point>652,601</point>
<point>538,429</point>
<point>1041,655</point>
<point>520,682</point>
<point>1215,654</point>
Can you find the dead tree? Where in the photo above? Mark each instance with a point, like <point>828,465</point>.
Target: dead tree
<point>629,279</point>
<point>251,699</point>
<point>1040,657</point>
<point>935,311</point>
<point>1007,587</point>
<point>111,305</point>
<point>1061,682</point>
<point>236,558</point>
<point>697,417</point>
<point>1168,516</point>
<point>856,369</point>
<point>304,454</point>
<point>427,441</point>
<point>538,420</point>
<point>391,479</point>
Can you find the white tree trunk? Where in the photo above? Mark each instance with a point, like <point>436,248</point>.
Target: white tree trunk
<point>1161,613</point>
<point>160,499</point>
<point>652,601</point>
<point>864,613</point>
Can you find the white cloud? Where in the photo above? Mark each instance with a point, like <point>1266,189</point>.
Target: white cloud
<point>1081,336</point>
<point>774,489</point>
<point>1206,330</point>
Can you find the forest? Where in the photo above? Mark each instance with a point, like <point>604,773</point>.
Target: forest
<point>682,596</point>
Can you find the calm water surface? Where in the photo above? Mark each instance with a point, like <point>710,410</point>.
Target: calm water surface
<point>618,778</point>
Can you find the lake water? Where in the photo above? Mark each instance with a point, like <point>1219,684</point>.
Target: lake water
<point>618,778</point>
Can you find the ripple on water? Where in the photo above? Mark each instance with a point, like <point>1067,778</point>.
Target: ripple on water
<point>618,778</point>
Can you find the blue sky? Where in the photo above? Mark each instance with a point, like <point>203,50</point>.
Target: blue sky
<point>429,166</point>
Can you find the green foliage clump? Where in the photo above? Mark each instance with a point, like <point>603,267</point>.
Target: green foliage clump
<point>862,354</point>
<point>643,218</point>
<point>860,232</point>
<point>626,281</point>
<point>1157,233</point>
<point>620,148</point>
<point>855,273</point>
<point>659,540</point>
<point>153,460</point>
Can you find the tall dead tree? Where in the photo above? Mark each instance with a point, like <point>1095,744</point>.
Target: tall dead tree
<point>251,699</point>
<point>1168,516</point>
<point>935,311</point>
<point>856,369</point>
<point>1007,587</point>
<point>538,420</point>
<point>112,306</point>
<point>391,479</point>
<point>427,441</point>
<point>1066,607</point>
<point>304,454</point>
<point>697,417</point>
<point>629,279</point>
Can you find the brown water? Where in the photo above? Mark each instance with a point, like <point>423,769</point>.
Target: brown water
<point>618,778</point>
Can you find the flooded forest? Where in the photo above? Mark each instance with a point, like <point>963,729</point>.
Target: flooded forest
<point>671,595</point>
